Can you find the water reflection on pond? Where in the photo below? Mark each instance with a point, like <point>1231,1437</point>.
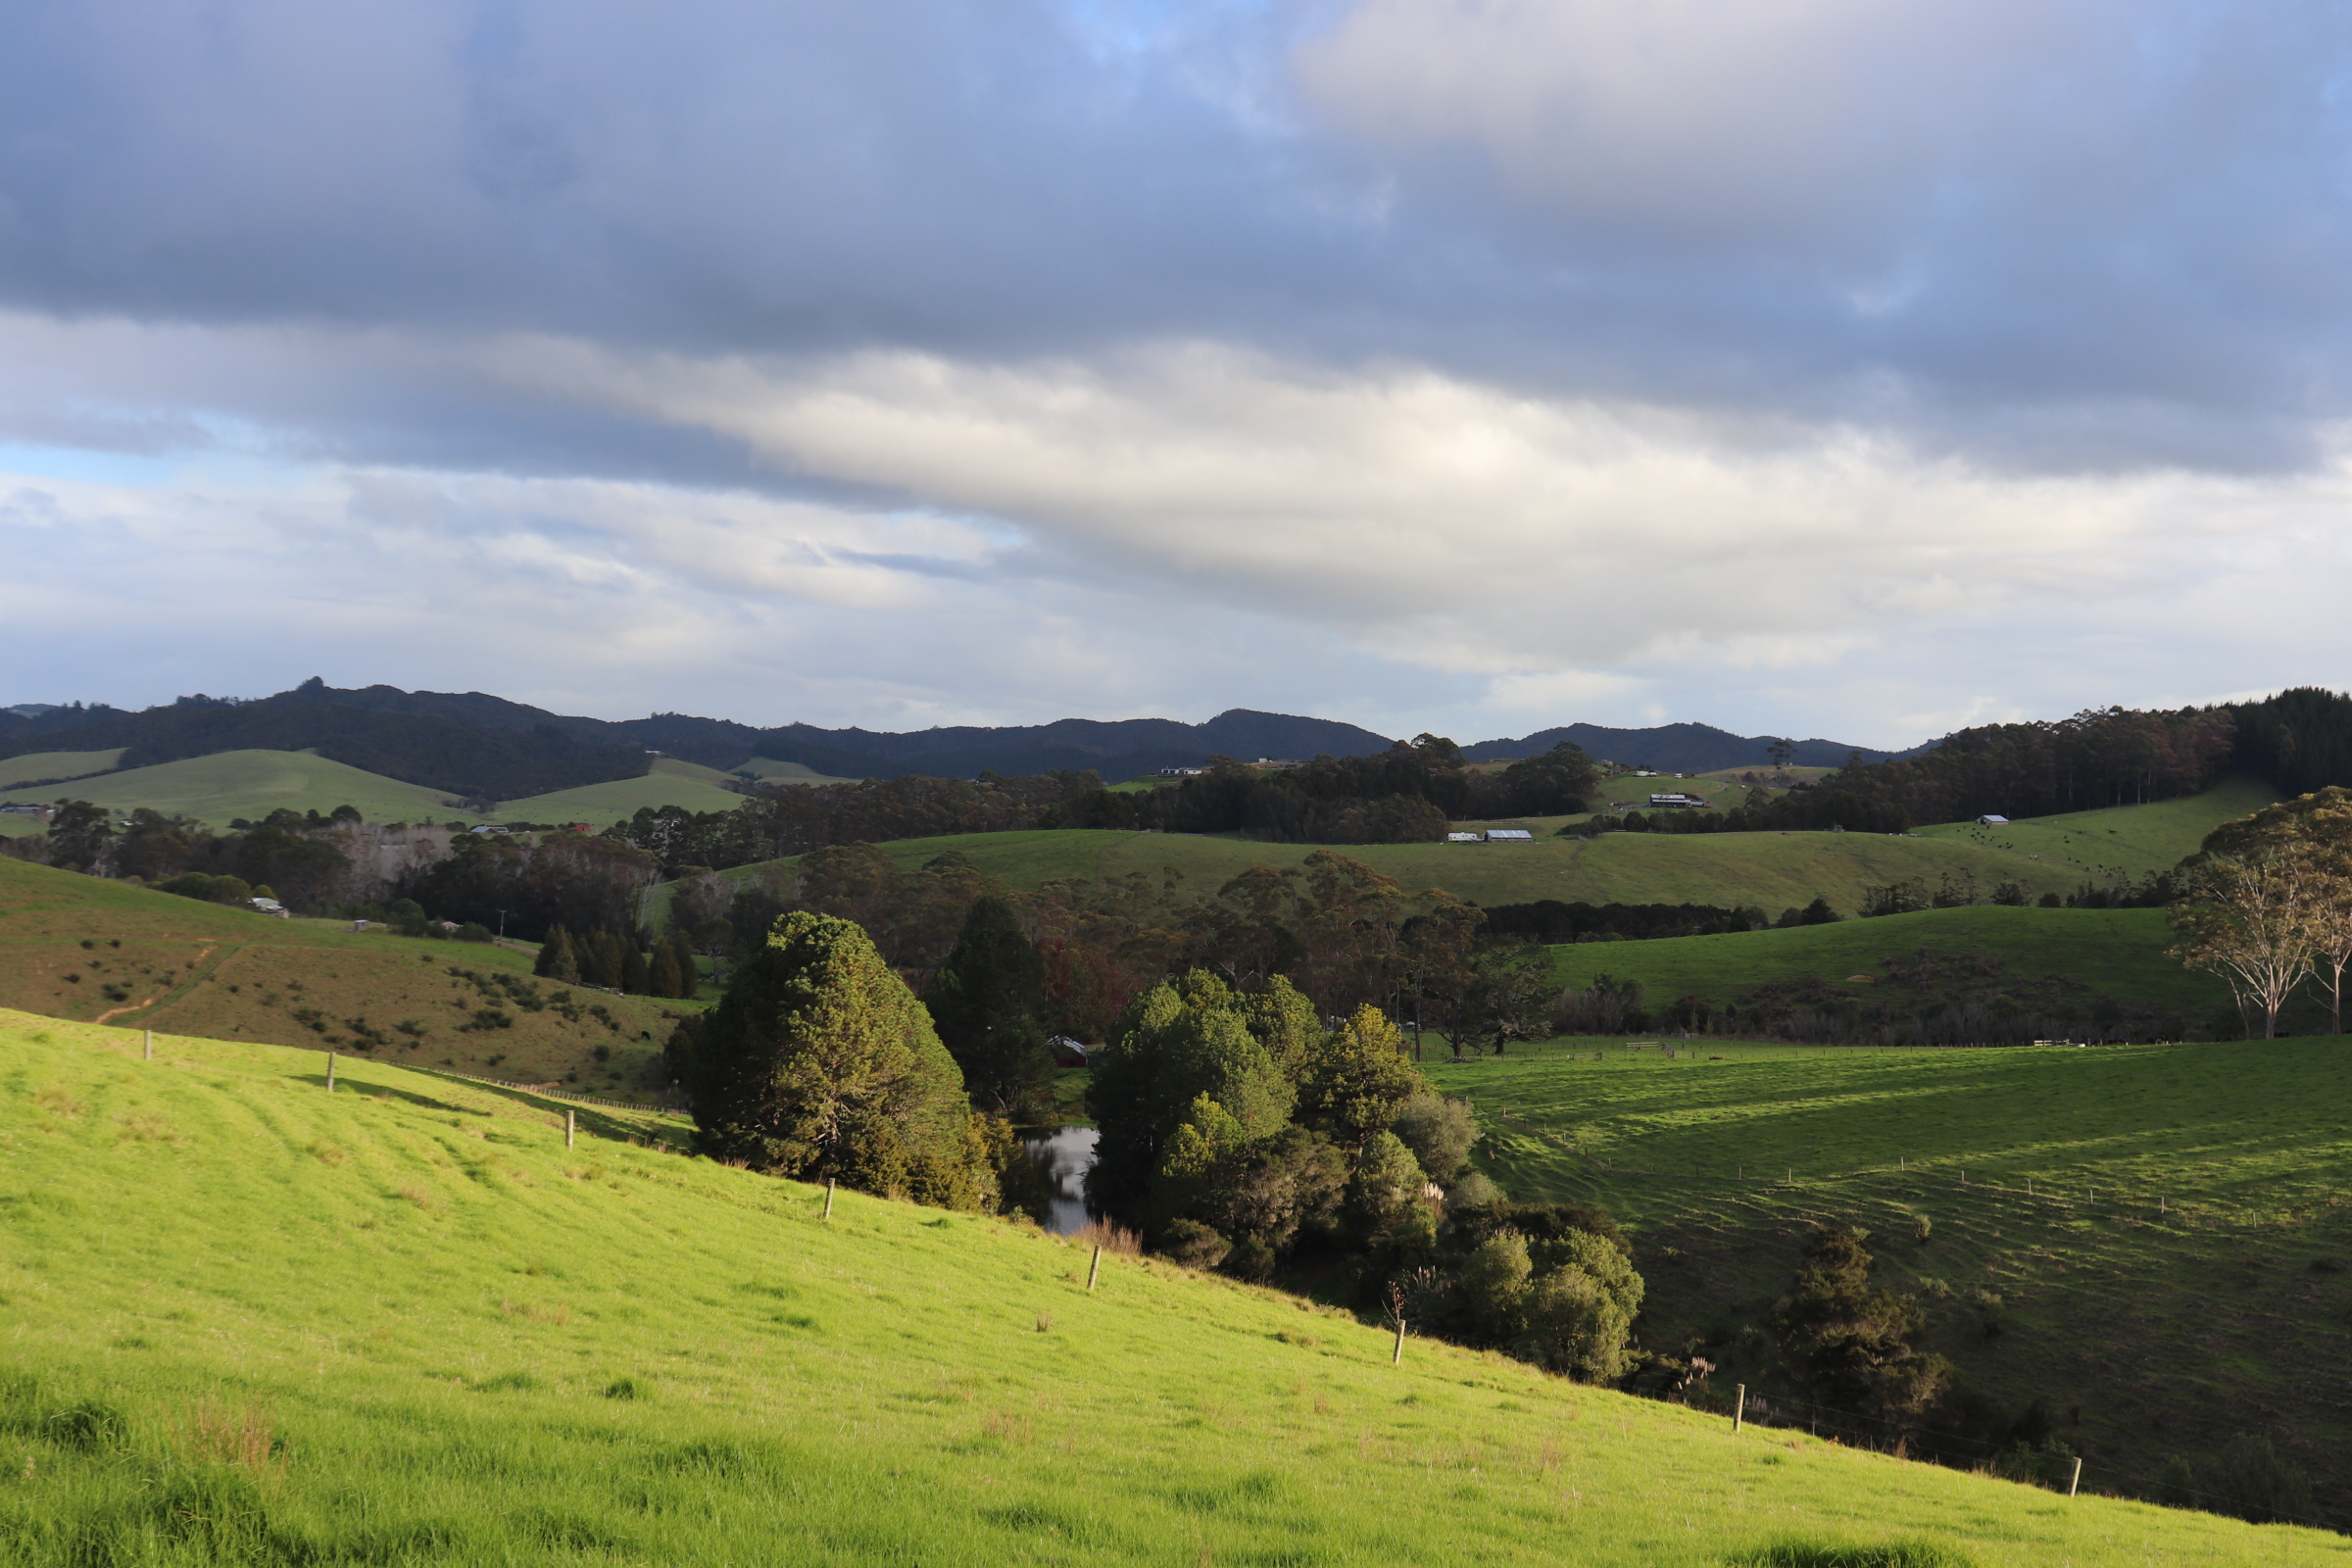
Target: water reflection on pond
<point>1065,1157</point>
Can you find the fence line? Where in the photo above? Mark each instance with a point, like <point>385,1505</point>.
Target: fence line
<point>1817,1416</point>
<point>550,1091</point>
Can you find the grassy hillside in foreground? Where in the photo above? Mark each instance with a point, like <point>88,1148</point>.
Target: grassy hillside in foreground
<point>1775,870</point>
<point>2228,1310</point>
<point>404,1324</point>
<point>2136,841</point>
<point>2117,950</point>
<point>94,951</point>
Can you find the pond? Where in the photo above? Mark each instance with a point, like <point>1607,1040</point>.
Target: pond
<point>1065,1157</point>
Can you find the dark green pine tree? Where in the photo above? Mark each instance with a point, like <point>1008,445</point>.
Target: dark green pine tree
<point>662,977</point>
<point>600,960</point>
<point>818,1062</point>
<point>690,973</point>
<point>634,977</point>
<point>985,1000</point>
<point>558,960</point>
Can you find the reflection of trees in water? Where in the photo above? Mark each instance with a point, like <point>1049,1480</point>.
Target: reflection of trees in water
<point>1063,1159</point>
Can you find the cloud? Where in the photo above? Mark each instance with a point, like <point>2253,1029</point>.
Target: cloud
<point>1806,365</point>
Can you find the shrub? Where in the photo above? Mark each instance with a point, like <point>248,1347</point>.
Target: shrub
<point>1439,1131</point>
<point>1873,1554</point>
<point>2253,1482</point>
<point>1194,1244</point>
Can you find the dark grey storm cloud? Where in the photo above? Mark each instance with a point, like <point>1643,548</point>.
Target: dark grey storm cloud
<point>2073,231</point>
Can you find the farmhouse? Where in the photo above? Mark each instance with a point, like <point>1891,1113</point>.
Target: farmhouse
<point>1990,820</point>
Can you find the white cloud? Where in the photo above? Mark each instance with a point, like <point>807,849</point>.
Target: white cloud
<point>1173,529</point>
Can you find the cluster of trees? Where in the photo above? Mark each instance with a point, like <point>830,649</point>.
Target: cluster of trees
<point>1345,934</point>
<point>1237,1131</point>
<point>1551,920</point>
<point>1823,808</point>
<point>577,880</point>
<point>2110,756</point>
<point>2267,903</point>
<point>297,856</point>
<point>615,961</point>
<point>786,819</point>
<point>1404,795</point>
<point>1238,1127</point>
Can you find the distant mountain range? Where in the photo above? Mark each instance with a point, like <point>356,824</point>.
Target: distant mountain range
<point>486,748</point>
<point>1680,747</point>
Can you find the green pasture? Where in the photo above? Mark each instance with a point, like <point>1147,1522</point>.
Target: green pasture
<point>670,783</point>
<point>775,772</point>
<point>90,950</point>
<point>18,771</point>
<point>249,1321</point>
<point>2155,1241</point>
<point>1772,870</point>
<point>2117,950</point>
<point>2136,841</point>
<point>254,783</point>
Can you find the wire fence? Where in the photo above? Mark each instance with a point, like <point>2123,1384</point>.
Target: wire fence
<point>556,1092</point>
<point>1912,1440</point>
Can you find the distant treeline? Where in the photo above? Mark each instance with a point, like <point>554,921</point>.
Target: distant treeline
<point>1823,808</point>
<point>793,819</point>
<point>1404,795</point>
<point>2297,742</point>
<point>1550,920</point>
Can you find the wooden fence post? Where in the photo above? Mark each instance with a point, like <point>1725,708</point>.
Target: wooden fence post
<point>150,1045</point>
<point>828,1197</point>
<point>1094,1269</point>
<point>2076,1479</point>
<point>1739,1409</point>
<point>570,1126</point>
<point>330,1072</point>
<point>1397,1359</point>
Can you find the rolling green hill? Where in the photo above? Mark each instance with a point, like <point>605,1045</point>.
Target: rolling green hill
<point>16,773</point>
<point>252,1322</point>
<point>2153,1235</point>
<point>227,785</point>
<point>775,772</point>
<point>2117,950</point>
<point>2137,841</point>
<point>670,783</point>
<point>86,948</point>
<point>1775,870</point>
<point>219,788</point>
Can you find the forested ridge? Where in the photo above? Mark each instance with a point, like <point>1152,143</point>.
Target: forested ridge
<point>467,760</point>
<point>2297,741</point>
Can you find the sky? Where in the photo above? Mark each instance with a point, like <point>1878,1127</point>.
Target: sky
<point>1862,368</point>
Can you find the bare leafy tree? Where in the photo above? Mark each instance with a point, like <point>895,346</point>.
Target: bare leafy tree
<point>2315,832</point>
<point>2248,918</point>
